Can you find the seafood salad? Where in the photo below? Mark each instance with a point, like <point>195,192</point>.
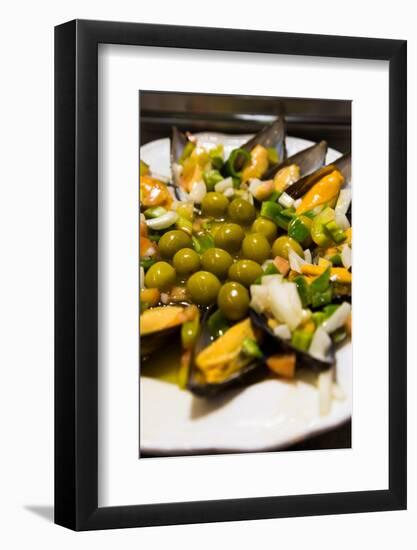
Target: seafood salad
<point>245,262</point>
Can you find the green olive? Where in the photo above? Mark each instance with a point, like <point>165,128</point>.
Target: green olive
<point>217,261</point>
<point>229,236</point>
<point>256,247</point>
<point>160,275</point>
<point>241,211</point>
<point>283,245</point>
<point>233,300</point>
<point>186,261</point>
<point>203,288</point>
<point>266,227</point>
<point>245,272</point>
<point>172,241</point>
<point>214,204</point>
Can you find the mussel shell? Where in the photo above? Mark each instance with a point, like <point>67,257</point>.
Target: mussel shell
<point>270,136</point>
<point>178,142</point>
<point>154,341</point>
<point>273,345</point>
<point>308,160</point>
<point>249,374</point>
<point>304,184</point>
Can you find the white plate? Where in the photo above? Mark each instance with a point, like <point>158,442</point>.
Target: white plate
<point>268,415</point>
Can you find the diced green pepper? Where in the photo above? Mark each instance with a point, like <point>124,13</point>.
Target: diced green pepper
<point>189,332</point>
<point>330,309</point>
<point>216,157</point>
<point>231,161</point>
<point>217,163</point>
<point>301,339</point>
<point>274,196</point>
<point>273,211</point>
<point>288,212</point>
<point>270,269</point>
<point>216,152</point>
<point>299,229</point>
<point>203,242</point>
<point>322,282</point>
<point>336,260</point>
<point>318,317</point>
<point>321,298</point>
<point>335,232</point>
<point>211,178</point>
<point>217,324</point>
<point>303,290</point>
<point>154,237</point>
<point>146,263</point>
<point>185,225</point>
<point>251,348</point>
<point>318,230</point>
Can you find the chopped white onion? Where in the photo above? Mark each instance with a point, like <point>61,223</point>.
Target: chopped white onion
<point>164,298</point>
<point>141,277</point>
<point>268,279</point>
<point>164,221</point>
<point>341,220</point>
<point>183,195</point>
<point>286,200</point>
<point>198,191</point>
<point>307,256</point>
<point>295,261</point>
<point>266,264</point>
<point>229,192</point>
<point>337,319</point>
<point>254,184</point>
<point>346,256</point>
<point>261,190</point>
<point>325,387</point>
<point>285,303</point>
<point>227,183</point>
<point>259,298</point>
<point>282,331</point>
<point>320,344</point>
<point>343,202</point>
<point>297,203</point>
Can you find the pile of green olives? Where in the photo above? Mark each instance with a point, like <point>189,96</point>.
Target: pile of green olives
<point>222,272</point>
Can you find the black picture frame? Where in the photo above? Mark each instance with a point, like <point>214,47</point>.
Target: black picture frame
<point>76,270</point>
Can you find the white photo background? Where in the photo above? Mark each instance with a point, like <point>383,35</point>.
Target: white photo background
<point>123,479</point>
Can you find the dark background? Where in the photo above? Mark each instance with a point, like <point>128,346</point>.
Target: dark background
<point>313,119</point>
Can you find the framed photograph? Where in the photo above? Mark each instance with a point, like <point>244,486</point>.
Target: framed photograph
<point>230,275</point>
